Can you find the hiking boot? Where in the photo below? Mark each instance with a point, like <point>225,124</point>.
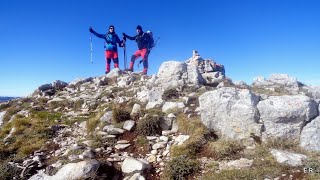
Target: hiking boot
<point>107,72</point>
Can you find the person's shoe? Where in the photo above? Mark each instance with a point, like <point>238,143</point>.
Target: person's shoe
<point>107,72</point>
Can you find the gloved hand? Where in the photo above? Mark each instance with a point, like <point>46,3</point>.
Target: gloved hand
<point>90,29</point>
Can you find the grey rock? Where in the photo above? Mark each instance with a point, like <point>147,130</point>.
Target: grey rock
<point>154,98</point>
<point>107,117</point>
<point>71,171</point>
<point>136,109</point>
<point>130,165</point>
<point>310,136</point>
<point>231,112</point>
<point>172,105</point>
<point>128,125</point>
<point>289,158</point>
<point>181,139</point>
<point>121,146</point>
<point>114,73</point>
<point>284,116</point>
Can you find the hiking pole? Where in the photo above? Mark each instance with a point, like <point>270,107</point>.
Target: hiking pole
<point>91,48</point>
<point>124,53</point>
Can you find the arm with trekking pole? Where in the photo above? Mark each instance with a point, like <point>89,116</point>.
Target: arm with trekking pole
<point>129,37</point>
<point>102,36</point>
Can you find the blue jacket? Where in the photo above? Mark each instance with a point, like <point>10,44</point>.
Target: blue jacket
<point>111,40</point>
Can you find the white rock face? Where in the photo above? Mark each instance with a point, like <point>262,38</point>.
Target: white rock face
<point>284,116</point>
<point>291,159</point>
<point>71,171</point>
<point>231,112</point>
<point>1,117</point>
<point>130,165</point>
<point>310,136</point>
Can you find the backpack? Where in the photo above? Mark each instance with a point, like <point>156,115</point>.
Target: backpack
<point>150,43</point>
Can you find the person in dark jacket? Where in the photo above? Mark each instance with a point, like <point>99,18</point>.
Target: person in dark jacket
<point>111,41</point>
<point>142,40</point>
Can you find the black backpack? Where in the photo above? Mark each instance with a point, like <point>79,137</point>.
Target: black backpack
<point>150,43</point>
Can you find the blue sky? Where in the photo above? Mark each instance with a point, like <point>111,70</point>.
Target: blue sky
<point>43,41</point>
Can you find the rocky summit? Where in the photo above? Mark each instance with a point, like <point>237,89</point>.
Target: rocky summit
<point>188,121</point>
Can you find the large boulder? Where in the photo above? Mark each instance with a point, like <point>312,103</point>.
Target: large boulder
<point>170,74</point>
<point>284,116</point>
<point>71,171</point>
<point>310,136</point>
<point>231,112</point>
<point>278,82</point>
<point>194,77</point>
<point>313,91</point>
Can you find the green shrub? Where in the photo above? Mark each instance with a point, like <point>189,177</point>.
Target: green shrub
<point>180,167</point>
<point>170,94</point>
<point>120,115</point>
<point>9,172</point>
<point>151,125</point>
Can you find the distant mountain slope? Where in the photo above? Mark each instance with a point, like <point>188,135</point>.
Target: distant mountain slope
<point>5,98</point>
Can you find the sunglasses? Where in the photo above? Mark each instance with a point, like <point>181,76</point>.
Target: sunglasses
<point>111,28</point>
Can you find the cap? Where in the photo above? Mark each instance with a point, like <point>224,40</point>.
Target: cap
<point>139,27</point>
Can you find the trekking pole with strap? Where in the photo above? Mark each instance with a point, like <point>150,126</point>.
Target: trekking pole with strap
<point>91,48</point>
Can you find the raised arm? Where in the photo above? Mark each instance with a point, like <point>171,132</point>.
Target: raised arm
<point>97,34</point>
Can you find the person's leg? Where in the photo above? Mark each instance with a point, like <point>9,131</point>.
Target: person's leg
<point>108,61</point>
<point>115,59</point>
<point>144,56</point>
<point>136,55</point>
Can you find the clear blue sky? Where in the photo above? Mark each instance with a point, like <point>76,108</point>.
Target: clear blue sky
<point>46,40</point>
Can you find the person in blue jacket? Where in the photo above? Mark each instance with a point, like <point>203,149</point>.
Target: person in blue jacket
<point>111,41</point>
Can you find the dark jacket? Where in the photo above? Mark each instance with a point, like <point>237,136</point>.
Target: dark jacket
<point>111,40</point>
<point>142,39</point>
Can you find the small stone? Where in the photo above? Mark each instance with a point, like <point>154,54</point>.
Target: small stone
<point>154,152</point>
<point>121,146</point>
<point>128,125</point>
<point>151,158</point>
<point>123,142</point>
<point>164,138</point>
<point>171,115</point>
<point>158,146</point>
<point>150,138</point>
